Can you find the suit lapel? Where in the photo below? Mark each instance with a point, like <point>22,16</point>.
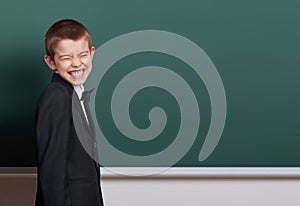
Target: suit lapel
<point>75,101</point>
<point>89,127</point>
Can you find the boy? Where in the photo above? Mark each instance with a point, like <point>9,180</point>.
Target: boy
<point>67,175</point>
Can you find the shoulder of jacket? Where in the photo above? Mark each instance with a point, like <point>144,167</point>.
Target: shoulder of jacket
<point>55,91</point>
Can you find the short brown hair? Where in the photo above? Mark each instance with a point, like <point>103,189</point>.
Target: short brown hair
<point>65,29</point>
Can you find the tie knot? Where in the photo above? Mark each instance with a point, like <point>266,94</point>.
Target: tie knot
<point>86,95</point>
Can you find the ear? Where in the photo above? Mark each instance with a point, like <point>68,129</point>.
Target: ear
<point>92,52</point>
<point>50,62</point>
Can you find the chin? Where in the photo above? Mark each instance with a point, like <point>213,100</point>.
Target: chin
<point>77,82</point>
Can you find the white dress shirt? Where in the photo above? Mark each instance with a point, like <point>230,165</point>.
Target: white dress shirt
<point>79,90</point>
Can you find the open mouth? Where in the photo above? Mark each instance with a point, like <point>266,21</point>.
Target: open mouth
<point>77,74</point>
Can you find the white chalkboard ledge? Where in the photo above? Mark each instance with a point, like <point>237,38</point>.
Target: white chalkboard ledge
<point>175,172</point>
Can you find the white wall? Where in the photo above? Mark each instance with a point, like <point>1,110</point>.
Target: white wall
<point>204,192</point>
<point>203,186</point>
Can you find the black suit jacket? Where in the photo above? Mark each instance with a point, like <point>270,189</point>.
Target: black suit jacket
<point>67,175</point>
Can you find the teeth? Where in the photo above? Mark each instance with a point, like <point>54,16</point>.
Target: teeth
<point>77,73</point>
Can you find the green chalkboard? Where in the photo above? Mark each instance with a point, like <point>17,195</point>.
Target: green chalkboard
<point>254,46</point>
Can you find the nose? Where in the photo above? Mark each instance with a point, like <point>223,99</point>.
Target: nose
<point>76,62</point>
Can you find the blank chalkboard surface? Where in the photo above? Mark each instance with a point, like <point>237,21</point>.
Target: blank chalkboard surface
<point>253,45</point>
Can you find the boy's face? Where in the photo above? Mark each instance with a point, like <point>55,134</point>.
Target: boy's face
<point>72,60</point>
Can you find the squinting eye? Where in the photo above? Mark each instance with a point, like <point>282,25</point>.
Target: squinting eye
<point>65,59</point>
<point>83,55</point>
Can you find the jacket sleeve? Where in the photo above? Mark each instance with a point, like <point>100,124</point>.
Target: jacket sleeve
<point>53,123</point>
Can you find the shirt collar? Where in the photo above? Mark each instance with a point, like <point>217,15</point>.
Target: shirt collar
<point>79,90</point>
